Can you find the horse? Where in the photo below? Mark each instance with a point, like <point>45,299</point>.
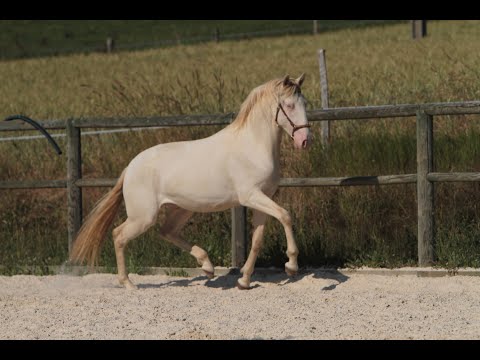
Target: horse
<point>238,165</point>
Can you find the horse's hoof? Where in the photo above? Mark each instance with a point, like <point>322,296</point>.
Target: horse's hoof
<point>130,286</point>
<point>209,274</point>
<point>290,272</point>
<point>242,287</point>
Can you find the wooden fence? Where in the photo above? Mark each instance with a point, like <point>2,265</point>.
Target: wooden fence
<point>425,176</point>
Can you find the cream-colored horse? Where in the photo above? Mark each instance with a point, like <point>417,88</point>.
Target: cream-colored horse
<point>238,165</point>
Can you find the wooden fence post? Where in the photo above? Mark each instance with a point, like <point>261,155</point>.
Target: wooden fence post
<point>239,235</point>
<point>110,45</point>
<point>325,125</point>
<point>74,172</point>
<point>216,35</point>
<point>419,28</point>
<point>425,188</point>
<point>315,27</point>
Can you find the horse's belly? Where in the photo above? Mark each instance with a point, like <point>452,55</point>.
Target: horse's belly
<point>200,194</point>
<point>201,203</point>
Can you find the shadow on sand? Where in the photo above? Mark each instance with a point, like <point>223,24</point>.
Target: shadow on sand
<point>260,276</point>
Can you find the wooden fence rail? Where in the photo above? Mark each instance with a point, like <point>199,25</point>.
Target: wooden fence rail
<point>339,113</point>
<point>424,178</point>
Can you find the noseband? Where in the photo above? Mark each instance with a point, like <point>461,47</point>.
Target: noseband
<point>294,126</point>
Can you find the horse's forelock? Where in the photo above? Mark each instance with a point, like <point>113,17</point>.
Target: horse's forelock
<point>286,89</point>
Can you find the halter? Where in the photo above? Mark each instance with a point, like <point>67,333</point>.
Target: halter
<point>294,126</point>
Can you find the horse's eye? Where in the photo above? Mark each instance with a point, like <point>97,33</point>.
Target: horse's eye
<point>290,106</point>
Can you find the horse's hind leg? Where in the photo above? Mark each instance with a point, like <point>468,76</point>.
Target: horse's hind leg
<point>131,228</point>
<point>175,220</point>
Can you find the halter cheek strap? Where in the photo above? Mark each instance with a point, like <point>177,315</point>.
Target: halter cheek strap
<point>294,126</point>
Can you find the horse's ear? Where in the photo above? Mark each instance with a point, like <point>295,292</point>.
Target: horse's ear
<point>300,79</point>
<point>286,80</point>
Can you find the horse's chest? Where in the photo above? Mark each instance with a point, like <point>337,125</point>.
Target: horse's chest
<point>268,174</point>
<point>270,181</point>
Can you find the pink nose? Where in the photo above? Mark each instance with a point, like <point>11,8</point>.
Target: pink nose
<point>301,139</point>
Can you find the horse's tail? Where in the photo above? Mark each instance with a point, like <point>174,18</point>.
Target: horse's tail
<point>91,236</point>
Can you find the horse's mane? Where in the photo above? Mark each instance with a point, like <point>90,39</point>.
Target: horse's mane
<point>272,90</point>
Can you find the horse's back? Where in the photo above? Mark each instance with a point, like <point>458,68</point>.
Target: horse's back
<point>191,174</point>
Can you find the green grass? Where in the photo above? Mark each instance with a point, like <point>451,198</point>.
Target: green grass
<point>373,225</point>
<point>32,38</point>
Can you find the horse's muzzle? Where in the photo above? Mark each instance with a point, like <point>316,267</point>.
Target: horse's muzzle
<point>301,139</point>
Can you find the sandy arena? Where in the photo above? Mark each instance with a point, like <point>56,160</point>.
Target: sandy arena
<point>314,305</point>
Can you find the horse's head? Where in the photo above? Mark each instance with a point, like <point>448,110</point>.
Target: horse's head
<point>291,115</point>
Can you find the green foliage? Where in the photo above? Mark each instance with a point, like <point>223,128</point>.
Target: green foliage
<point>179,273</point>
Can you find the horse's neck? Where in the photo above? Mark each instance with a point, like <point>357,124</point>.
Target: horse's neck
<point>264,132</point>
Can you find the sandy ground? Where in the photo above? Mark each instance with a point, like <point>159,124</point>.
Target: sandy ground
<point>314,305</point>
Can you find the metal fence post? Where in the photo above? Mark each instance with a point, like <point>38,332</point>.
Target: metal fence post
<point>239,236</point>
<point>74,172</point>
<point>425,188</point>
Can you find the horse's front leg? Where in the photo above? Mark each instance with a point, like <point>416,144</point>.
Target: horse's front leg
<point>258,222</point>
<point>259,201</point>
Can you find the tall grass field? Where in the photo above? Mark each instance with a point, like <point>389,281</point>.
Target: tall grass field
<point>32,38</point>
<point>335,226</point>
